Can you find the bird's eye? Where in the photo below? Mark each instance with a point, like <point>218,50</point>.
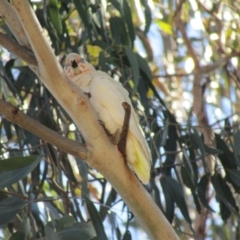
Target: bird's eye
<point>81,60</point>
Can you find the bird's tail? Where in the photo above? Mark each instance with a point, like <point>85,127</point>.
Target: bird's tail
<point>137,159</point>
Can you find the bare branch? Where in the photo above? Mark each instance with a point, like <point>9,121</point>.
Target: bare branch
<point>12,20</point>
<point>17,49</point>
<point>172,75</point>
<point>219,25</point>
<point>220,63</point>
<point>13,114</point>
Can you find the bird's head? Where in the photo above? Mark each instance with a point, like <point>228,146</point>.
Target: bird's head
<point>75,65</point>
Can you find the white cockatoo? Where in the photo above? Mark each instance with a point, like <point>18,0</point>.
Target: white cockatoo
<point>106,96</point>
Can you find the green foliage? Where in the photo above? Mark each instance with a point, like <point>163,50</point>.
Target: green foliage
<point>62,198</point>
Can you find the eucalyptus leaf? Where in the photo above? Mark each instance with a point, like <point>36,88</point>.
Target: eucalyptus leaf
<point>18,236</point>
<point>51,234</point>
<point>224,193</point>
<point>177,193</point>
<point>127,235</point>
<point>16,162</point>
<point>96,219</point>
<point>128,19</point>
<point>9,207</point>
<point>169,199</point>
<point>202,191</point>
<point>10,177</point>
<point>234,175</point>
<point>78,231</point>
<point>132,57</point>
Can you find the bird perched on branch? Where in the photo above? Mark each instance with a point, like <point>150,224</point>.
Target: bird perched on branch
<point>107,96</point>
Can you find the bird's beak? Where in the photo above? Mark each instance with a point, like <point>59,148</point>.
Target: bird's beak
<point>75,67</point>
<point>74,63</point>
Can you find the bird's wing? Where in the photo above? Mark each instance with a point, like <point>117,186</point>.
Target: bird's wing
<point>107,98</point>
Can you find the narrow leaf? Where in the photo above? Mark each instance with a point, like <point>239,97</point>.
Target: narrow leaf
<point>197,203</point>
<point>148,16</point>
<point>134,65</point>
<point>186,176</point>
<point>18,236</point>
<point>102,62</point>
<point>116,4</point>
<point>83,13</point>
<point>78,231</point>
<point>10,177</point>
<point>199,142</point>
<point>81,8</point>
<point>144,67</point>
<point>11,203</point>
<point>202,189</point>
<point>156,194</point>
<point>9,207</point>
<point>224,211</point>
<point>83,169</point>
<point>65,221</point>
<point>234,175</point>
<point>169,201</point>
<point>96,220</point>
<point>227,158</point>
<point>170,146</point>
<point>55,18</point>
<point>236,138</point>
<point>128,20</point>
<point>115,27</point>
<point>223,192</point>
<point>177,193</point>
<point>127,235</point>
<point>16,162</point>
<point>51,234</point>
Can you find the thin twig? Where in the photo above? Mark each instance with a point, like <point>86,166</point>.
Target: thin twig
<point>172,75</point>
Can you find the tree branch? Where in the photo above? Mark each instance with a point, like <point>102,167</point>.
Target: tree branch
<point>103,155</point>
<point>18,50</point>
<point>180,26</point>
<point>13,114</point>
<point>13,22</point>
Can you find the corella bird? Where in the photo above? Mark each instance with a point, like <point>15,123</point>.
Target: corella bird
<point>106,96</point>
